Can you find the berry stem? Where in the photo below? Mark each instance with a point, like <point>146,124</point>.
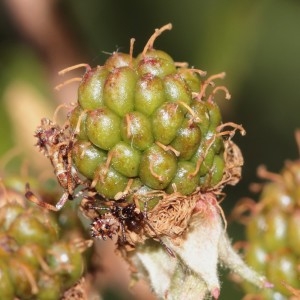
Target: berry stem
<point>297,138</point>
<point>167,148</point>
<point>200,72</point>
<point>218,88</point>
<point>209,81</point>
<point>132,40</point>
<point>58,108</point>
<point>200,160</point>
<point>153,37</point>
<point>231,132</point>
<point>68,69</point>
<point>60,86</point>
<point>262,172</point>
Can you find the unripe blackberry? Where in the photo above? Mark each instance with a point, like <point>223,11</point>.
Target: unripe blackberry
<point>36,262</point>
<point>148,138</point>
<point>161,112</point>
<point>272,232</point>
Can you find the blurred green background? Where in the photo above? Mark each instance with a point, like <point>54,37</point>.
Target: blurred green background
<point>257,43</point>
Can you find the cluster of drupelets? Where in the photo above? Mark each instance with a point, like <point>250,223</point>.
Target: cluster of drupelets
<point>272,231</point>
<point>37,261</point>
<point>146,150</point>
<point>144,132</point>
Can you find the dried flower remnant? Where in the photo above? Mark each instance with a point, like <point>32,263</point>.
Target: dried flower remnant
<point>56,143</point>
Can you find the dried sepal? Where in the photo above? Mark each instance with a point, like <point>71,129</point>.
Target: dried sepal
<point>204,246</point>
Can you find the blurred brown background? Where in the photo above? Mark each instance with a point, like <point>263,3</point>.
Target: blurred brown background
<point>257,43</point>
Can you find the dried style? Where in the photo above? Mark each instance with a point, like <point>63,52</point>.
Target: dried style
<point>56,143</point>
